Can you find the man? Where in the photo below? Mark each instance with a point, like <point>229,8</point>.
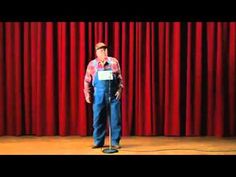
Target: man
<point>96,90</point>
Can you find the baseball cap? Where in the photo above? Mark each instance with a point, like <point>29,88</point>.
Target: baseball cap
<point>100,45</point>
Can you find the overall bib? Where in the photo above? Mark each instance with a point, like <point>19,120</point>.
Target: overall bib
<point>101,100</point>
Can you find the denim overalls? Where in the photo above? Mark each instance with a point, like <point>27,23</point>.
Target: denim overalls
<point>101,96</point>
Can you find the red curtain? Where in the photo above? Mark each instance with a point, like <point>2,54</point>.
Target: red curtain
<point>179,77</point>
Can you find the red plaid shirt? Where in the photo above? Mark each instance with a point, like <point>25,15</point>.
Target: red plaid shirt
<point>91,71</point>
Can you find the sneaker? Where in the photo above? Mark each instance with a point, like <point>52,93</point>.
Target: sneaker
<point>117,146</point>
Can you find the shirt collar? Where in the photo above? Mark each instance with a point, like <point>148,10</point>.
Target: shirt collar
<point>105,60</point>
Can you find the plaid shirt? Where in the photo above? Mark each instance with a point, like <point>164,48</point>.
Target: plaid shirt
<point>91,71</point>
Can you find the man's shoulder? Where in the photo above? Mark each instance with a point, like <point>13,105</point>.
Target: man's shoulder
<point>91,62</point>
<point>113,59</point>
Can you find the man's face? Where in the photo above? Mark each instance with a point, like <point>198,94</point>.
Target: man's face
<point>101,53</point>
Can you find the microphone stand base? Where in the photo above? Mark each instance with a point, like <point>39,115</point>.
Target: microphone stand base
<point>109,151</point>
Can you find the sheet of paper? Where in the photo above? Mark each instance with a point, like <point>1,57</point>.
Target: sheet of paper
<point>105,75</point>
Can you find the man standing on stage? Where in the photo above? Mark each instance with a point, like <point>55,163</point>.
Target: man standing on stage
<point>96,90</point>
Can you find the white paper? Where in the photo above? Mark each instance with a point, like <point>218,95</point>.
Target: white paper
<point>105,75</point>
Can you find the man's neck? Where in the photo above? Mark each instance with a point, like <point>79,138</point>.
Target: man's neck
<point>102,59</point>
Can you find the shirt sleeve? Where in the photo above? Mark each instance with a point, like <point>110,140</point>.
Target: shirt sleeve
<point>88,82</point>
<point>121,86</point>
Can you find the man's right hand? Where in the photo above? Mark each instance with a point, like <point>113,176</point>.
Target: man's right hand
<point>88,99</point>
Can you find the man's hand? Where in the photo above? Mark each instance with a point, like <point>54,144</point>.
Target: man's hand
<point>118,94</point>
<point>88,99</point>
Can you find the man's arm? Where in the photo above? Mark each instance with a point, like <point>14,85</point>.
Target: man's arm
<point>120,84</point>
<point>88,85</point>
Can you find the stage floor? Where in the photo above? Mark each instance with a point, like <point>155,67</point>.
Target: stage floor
<point>132,145</point>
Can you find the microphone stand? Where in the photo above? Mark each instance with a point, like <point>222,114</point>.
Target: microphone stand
<point>110,149</point>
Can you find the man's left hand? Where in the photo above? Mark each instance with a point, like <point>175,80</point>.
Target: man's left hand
<point>118,94</point>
